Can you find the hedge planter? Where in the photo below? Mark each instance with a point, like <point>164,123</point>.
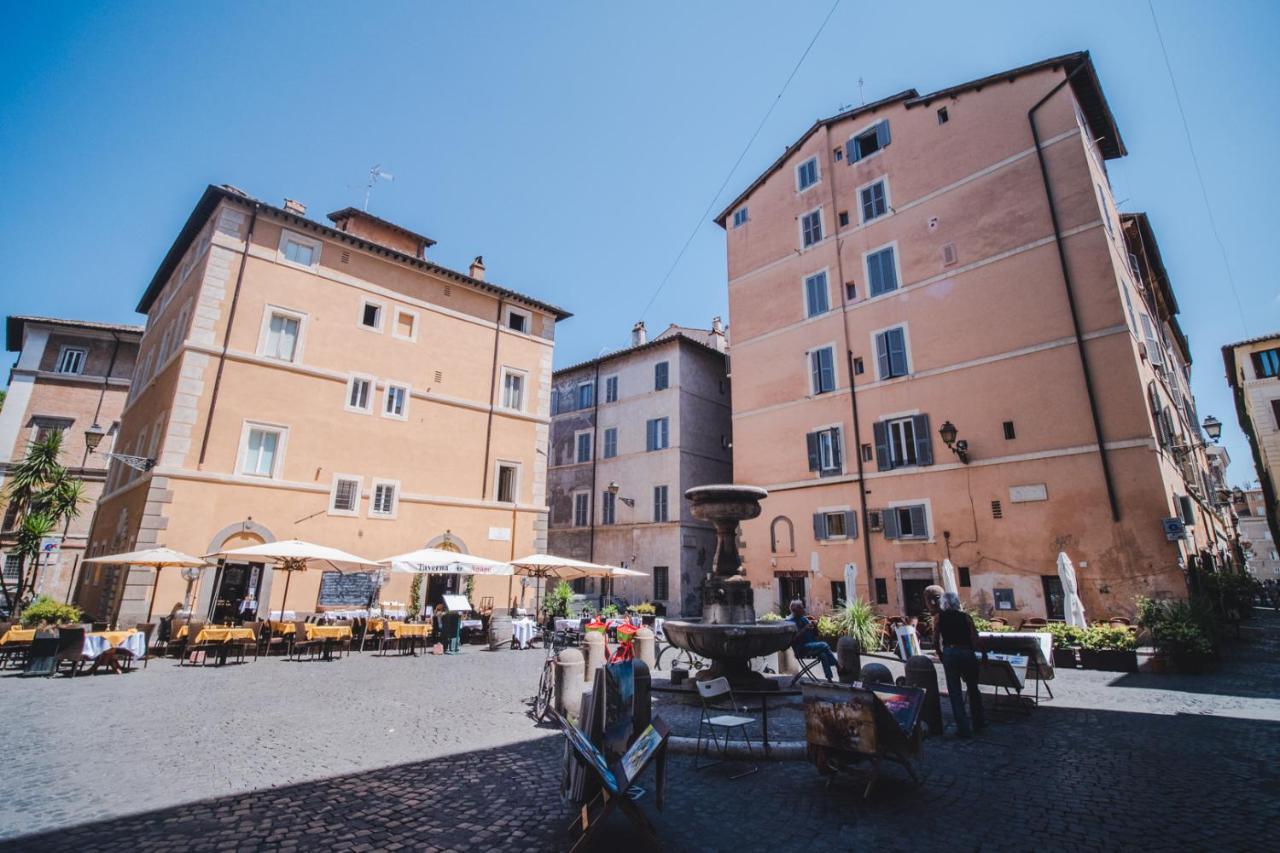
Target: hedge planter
<point>1109,660</point>
<point>1065,658</point>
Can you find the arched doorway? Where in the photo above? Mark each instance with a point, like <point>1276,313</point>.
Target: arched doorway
<point>438,586</point>
<point>222,588</point>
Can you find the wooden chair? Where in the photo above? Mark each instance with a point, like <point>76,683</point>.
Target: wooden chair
<point>272,640</point>
<point>386,639</point>
<point>187,645</point>
<point>70,650</point>
<point>146,629</point>
<point>711,693</point>
<point>243,646</point>
<point>299,642</point>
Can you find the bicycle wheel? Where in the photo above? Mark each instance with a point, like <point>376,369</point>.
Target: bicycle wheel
<point>542,701</point>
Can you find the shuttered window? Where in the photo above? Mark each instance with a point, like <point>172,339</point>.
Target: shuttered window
<point>902,442</point>
<point>874,201</point>
<point>824,451</point>
<point>868,142</point>
<point>661,376</point>
<point>586,395</point>
<point>608,507</point>
<point>581,509</point>
<point>811,228</point>
<point>816,299</point>
<point>906,522</point>
<point>657,435</point>
<point>660,503</point>
<point>807,174</point>
<point>346,495</point>
<point>610,442</point>
<point>891,353</point>
<point>611,389</point>
<point>882,275</point>
<point>822,370</point>
<point>840,524</point>
<point>1266,363</point>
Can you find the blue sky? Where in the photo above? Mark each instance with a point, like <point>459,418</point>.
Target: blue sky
<point>575,145</point>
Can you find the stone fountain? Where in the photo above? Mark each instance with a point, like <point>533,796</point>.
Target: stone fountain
<point>728,633</point>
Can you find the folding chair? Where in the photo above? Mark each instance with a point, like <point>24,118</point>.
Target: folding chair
<point>711,692</point>
<point>807,665</point>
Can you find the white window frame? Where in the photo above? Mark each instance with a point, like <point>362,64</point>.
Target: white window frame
<point>897,270</point>
<point>518,312</point>
<point>888,202</point>
<point>264,334</point>
<point>373,393</point>
<point>577,395</point>
<point>316,245</point>
<point>577,437</point>
<point>282,441</point>
<point>835,369</point>
<point>498,465</point>
<point>906,343</point>
<point>373,495</point>
<point>804,292</point>
<point>354,512</point>
<point>386,396</point>
<point>395,327</point>
<point>822,226</point>
<point>928,518</point>
<point>826,429</point>
<point>817,173</point>
<point>62,357</point>
<point>382,315</point>
<point>888,435</point>
<point>614,380</point>
<point>501,402</point>
<point>573,508</point>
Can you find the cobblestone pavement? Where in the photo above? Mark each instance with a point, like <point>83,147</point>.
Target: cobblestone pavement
<point>438,754</point>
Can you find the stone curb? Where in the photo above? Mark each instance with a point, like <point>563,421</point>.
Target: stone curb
<point>784,750</point>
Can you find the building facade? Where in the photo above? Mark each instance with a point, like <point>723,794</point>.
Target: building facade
<point>630,432</point>
<point>326,383</point>
<point>1253,371</point>
<point>949,344</point>
<point>1262,558</point>
<point>70,375</point>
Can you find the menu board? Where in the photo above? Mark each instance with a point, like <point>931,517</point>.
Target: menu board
<point>338,589</point>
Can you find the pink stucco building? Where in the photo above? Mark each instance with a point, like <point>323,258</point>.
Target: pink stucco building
<point>956,260</point>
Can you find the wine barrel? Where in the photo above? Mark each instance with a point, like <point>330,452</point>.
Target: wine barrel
<point>500,630</point>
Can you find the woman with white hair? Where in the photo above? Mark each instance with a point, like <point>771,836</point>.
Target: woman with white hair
<point>958,639</point>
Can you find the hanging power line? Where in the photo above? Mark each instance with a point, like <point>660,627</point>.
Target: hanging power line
<point>711,206</point>
<point>1195,161</point>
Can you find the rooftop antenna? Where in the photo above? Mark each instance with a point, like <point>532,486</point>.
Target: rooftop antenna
<point>375,174</point>
<point>861,97</point>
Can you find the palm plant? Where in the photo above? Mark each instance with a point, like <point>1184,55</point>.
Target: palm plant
<point>858,620</point>
<point>41,496</point>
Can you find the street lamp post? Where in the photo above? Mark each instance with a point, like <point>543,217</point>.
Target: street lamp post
<point>958,446</point>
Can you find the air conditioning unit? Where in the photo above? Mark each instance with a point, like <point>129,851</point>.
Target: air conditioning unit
<point>875,519</point>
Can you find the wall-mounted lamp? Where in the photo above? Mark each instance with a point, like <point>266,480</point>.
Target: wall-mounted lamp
<point>613,488</point>
<point>1212,428</point>
<point>959,447</point>
<point>93,437</point>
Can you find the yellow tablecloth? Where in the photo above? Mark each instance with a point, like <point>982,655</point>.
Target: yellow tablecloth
<point>222,635</point>
<point>282,629</point>
<point>18,635</point>
<point>400,629</point>
<point>328,632</point>
<point>113,638</point>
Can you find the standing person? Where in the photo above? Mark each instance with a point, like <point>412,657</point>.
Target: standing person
<point>933,607</point>
<point>248,608</point>
<point>806,643</point>
<point>959,640</point>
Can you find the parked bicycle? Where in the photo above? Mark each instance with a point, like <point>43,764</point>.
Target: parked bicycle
<point>553,641</point>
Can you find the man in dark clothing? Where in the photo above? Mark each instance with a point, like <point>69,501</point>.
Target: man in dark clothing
<point>806,643</point>
<point>958,640</point>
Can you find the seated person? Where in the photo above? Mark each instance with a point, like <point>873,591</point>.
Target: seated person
<point>806,643</point>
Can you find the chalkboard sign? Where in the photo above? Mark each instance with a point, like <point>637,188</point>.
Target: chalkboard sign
<point>338,589</point>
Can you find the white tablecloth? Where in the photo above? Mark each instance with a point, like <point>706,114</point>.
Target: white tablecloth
<point>471,623</point>
<point>523,631</point>
<point>568,624</point>
<point>134,643</point>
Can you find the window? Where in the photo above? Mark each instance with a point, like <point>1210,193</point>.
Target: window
<point>519,321</point>
<point>660,503</point>
<point>506,482</point>
<point>1155,352</point>
<point>824,451</point>
<point>299,250</point>
<point>406,327</point>
<point>582,447</point>
<point>395,401</point>
<point>1266,363</point>
<point>661,375</point>
<point>46,427</point>
<point>906,522</point>
<point>882,273</point>
<point>262,451</point>
<point>581,509</point>
<point>882,591</point>
<point>903,441</point>
<point>843,218</point>
<point>71,360</point>
<point>943,118</point>
<point>964,580</point>
<point>1009,434</point>
<point>868,142</point>
<point>360,394</point>
<point>874,201</point>
<point>807,174</point>
<point>282,334</point>
<point>815,294</point>
<point>1275,412</point>
<point>811,228</point>
<point>791,588</point>
<point>661,590</point>
<point>344,497</point>
<point>822,371</point>
<point>838,593</point>
<point>611,389</point>
<point>608,507</point>
<point>371,316</point>
<point>657,434</point>
<point>586,395</point>
<point>610,442</point>
<point>850,290</point>
<point>891,353</point>
<point>740,217</point>
<point>512,390</point>
<point>12,566</point>
<point>834,524</point>
<point>383,503</point>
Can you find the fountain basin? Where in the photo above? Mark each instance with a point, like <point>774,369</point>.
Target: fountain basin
<point>731,648</point>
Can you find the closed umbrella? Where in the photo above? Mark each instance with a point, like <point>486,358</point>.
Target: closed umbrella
<point>1072,606</point>
<point>949,577</point>
<point>157,558</point>
<point>294,555</point>
<point>850,583</point>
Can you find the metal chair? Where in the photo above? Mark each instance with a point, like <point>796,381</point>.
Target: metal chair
<point>710,693</point>
<point>146,629</point>
<point>807,666</point>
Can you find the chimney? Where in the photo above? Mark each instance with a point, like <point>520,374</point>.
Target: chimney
<point>296,207</point>
<point>717,334</point>
<point>638,334</point>
<point>477,268</point>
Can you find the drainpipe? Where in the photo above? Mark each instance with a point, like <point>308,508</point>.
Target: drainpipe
<point>493,387</point>
<point>1071,297</point>
<point>226,338</point>
<point>853,394</point>
<point>595,464</point>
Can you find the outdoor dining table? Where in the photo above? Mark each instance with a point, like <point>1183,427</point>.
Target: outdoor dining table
<point>18,635</point>
<point>103,647</point>
<point>523,631</point>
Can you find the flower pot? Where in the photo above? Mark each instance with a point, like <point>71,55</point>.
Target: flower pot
<point>1065,658</point>
<point>1158,665</point>
<point>1109,660</point>
<point>648,618</point>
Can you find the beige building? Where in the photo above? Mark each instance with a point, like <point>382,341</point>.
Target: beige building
<point>948,343</point>
<point>1262,558</point>
<point>327,383</point>
<point>1253,372</point>
<point>70,374</point>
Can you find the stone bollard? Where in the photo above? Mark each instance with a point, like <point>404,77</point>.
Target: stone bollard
<point>593,653</point>
<point>787,663</point>
<point>645,644</point>
<point>568,683</point>
<point>875,673</point>
<point>921,673</point>
<point>848,659</point>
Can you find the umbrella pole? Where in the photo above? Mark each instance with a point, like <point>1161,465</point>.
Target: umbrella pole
<point>151,606</point>
<point>288,575</point>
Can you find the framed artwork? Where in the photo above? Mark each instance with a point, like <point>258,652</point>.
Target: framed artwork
<point>908,641</point>
<point>903,703</point>
<point>840,717</point>
<point>587,751</point>
<point>634,759</point>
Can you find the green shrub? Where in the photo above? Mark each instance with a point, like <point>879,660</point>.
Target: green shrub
<point>558,600</point>
<point>1105,637</point>
<point>1183,640</point>
<point>1185,629</point>
<point>770,616</point>
<point>858,619</point>
<point>644,609</point>
<point>45,611</point>
<point>609,611</point>
<point>829,628</point>
<point>981,623</point>
<point>1064,635</point>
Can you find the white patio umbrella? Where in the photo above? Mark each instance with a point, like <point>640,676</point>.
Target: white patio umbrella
<point>850,583</point>
<point>157,558</point>
<point>544,566</point>
<point>294,555</point>
<point>949,577</point>
<point>436,561</point>
<point>1072,606</point>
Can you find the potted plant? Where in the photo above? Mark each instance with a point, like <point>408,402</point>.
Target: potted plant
<point>609,611</point>
<point>858,620</point>
<point>830,630</point>
<point>557,603</point>
<point>646,611</point>
<point>1066,643</point>
<point>1112,649</point>
<point>1184,643</point>
<point>44,612</point>
<point>1182,632</point>
<point>770,616</point>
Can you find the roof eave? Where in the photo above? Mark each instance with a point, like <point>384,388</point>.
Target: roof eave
<point>647,345</point>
